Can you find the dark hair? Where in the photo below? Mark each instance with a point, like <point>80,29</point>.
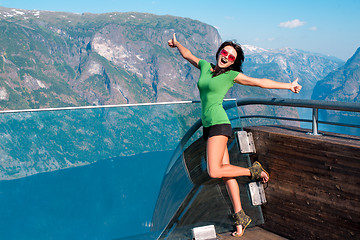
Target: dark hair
<point>237,65</point>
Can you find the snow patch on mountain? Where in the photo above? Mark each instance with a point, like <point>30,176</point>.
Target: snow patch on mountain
<point>249,49</point>
<point>3,94</point>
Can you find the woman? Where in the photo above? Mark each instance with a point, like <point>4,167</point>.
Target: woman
<point>213,84</point>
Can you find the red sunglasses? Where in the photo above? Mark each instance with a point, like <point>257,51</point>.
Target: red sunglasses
<point>225,53</point>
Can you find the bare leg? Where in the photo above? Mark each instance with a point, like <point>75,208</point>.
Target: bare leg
<point>219,167</point>
<point>216,148</point>
<point>232,187</point>
<point>234,193</point>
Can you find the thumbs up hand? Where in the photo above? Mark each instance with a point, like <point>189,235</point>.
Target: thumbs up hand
<point>295,86</point>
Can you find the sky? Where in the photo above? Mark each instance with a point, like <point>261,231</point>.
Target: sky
<point>330,27</point>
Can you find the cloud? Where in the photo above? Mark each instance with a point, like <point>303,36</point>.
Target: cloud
<point>313,28</point>
<point>292,24</point>
<point>229,18</point>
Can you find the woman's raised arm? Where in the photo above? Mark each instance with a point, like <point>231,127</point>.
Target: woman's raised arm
<point>267,83</point>
<point>184,51</point>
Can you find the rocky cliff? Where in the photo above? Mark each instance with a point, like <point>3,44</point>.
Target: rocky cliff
<point>287,64</point>
<point>63,59</point>
<point>342,84</point>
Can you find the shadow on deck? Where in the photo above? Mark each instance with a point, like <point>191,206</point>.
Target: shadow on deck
<point>251,234</point>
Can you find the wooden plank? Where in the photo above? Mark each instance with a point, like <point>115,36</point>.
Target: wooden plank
<point>314,190</point>
<point>251,234</point>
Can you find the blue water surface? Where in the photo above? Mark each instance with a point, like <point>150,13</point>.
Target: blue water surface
<point>323,116</point>
<point>109,199</point>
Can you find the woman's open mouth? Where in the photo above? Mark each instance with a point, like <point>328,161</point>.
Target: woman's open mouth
<point>224,60</point>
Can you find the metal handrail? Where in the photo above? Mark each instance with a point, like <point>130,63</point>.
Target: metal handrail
<point>297,120</point>
<point>304,103</point>
<point>285,102</point>
<point>31,110</point>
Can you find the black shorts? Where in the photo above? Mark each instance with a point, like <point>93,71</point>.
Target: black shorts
<point>215,130</point>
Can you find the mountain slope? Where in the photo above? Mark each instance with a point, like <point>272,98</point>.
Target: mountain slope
<point>342,84</point>
<point>286,65</point>
<point>63,59</point>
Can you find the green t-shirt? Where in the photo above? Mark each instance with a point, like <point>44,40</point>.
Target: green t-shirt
<point>212,93</point>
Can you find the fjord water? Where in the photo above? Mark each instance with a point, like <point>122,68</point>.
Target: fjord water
<point>329,116</point>
<point>109,199</point>
<point>86,173</point>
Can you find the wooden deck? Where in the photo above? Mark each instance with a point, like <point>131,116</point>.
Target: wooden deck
<point>314,182</point>
<point>313,189</point>
<point>252,233</point>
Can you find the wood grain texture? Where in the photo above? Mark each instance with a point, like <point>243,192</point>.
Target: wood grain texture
<point>314,188</point>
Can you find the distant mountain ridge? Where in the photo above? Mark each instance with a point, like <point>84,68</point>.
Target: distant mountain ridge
<point>342,84</point>
<point>286,64</point>
<point>56,59</point>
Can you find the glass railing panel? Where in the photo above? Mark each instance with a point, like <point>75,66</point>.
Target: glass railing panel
<point>343,122</point>
<point>257,115</point>
<point>339,117</point>
<point>86,173</point>
<point>190,198</point>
